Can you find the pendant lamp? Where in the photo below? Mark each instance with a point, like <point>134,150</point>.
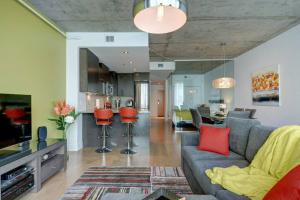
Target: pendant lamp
<point>223,82</point>
<point>159,16</point>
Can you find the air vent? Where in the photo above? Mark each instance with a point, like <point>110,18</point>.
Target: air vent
<point>160,65</point>
<point>110,38</point>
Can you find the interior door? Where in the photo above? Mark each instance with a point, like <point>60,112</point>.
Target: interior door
<point>160,103</point>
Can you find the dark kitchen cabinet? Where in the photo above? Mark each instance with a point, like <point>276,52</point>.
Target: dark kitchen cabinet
<point>125,85</point>
<point>104,74</point>
<point>93,73</point>
<point>114,82</point>
<point>89,72</point>
<point>83,72</point>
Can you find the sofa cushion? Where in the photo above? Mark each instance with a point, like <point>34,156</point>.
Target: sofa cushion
<point>252,112</point>
<point>239,114</point>
<point>257,137</point>
<point>189,139</point>
<point>239,133</point>
<point>200,166</point>
<point>214,139</point>
<point>227,195</point>
<point>191,154</point>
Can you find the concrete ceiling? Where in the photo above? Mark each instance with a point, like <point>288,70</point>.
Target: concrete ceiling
<point>242,24</point>
<point>196,67</point>
<point>136,59</point>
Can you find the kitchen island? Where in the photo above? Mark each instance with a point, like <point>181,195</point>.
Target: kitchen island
<point>91,132</point>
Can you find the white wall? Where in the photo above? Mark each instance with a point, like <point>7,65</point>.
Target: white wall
<point>81,40</point>
<point>170,98</point>
<point>167,99</point>
<point>285,51</point>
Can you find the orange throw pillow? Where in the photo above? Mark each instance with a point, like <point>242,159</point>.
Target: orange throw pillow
<point>288,188</point>
<point>214,139</point>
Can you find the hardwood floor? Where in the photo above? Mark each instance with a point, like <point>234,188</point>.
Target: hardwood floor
<point>160,148</point>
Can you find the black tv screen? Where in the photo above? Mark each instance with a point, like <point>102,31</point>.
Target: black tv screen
<point>15,119</point>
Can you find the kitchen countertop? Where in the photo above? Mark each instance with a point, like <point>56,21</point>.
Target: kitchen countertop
<point>116,111</point>
<point>88,102</point>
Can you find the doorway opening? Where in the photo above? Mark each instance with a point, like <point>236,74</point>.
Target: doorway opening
<point>157,103</point>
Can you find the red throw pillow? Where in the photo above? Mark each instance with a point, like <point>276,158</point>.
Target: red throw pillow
<point>214,139</point>
<point>287,188</point>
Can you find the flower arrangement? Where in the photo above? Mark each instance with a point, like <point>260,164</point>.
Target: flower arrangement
<point>66,116</point>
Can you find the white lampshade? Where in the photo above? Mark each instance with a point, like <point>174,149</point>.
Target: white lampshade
<point>159,16</point>
<point>223,106</point>
<point>223,83</point>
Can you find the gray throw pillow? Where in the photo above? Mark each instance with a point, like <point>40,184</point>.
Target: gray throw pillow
<point>239,114</point>
<point>239,133</point>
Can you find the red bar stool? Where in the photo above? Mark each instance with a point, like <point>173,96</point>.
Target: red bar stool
<point>103,118</point>
<point>128,116</point>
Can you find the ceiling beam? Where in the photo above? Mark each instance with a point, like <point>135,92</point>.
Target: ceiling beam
<point>212,59</point>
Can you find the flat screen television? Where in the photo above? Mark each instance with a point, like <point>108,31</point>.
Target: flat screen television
<point>15,119</point>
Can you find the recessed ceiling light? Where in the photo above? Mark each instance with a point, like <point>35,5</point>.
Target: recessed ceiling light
<point>130,61</point>
<point>124,52</point>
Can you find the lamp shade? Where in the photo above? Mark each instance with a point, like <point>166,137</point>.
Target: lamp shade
<point>223,106</point>
<point>159,16</point>
<point>223,83</point>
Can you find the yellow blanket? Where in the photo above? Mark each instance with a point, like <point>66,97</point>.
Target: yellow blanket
<point>279,154</point>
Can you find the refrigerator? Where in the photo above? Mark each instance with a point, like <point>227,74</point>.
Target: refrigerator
<point>141,95</point>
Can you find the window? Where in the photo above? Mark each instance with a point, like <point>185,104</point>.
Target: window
<point>178,94</point>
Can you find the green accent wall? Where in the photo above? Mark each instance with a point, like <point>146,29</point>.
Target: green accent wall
<point>32,61</point>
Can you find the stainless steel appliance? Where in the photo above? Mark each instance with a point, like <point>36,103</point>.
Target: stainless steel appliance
<point>108,89</point>
<point>141,95</point>
<point>117,103</point>
<point>130,103</point>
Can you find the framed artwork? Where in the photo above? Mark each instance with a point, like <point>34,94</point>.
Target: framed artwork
<point>266,87</point>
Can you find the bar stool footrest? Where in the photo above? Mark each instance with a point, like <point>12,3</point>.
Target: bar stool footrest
<point>103,150</point>
<point>127,151</point>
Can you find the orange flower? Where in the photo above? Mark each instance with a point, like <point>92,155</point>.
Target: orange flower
<point>61,108</point>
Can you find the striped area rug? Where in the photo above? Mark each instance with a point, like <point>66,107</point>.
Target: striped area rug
<point>97,181</point>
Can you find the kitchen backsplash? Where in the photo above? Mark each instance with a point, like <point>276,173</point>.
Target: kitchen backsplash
<point>91,101</point>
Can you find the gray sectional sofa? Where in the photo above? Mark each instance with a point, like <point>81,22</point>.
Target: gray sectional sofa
<point>246,137</point>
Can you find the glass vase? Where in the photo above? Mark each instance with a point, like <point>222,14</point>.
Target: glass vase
<point>66,145</point>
